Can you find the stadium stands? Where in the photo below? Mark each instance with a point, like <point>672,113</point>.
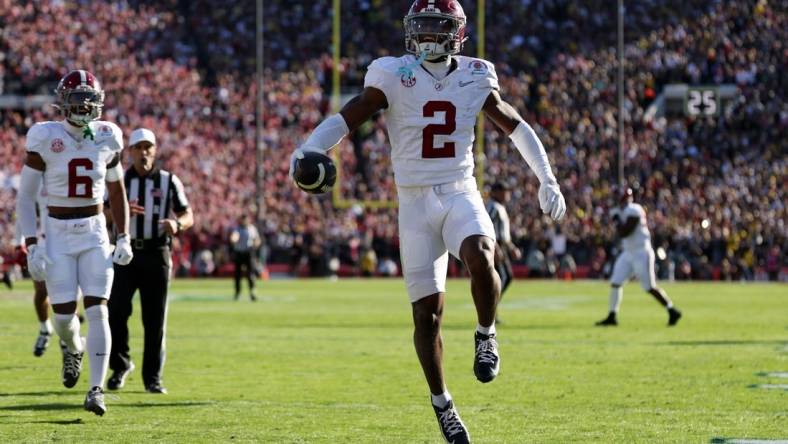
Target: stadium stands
<point>714,189</point>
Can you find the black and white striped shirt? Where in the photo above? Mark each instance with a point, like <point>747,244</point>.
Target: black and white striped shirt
<point>159,192</point>
<point>500,220</point>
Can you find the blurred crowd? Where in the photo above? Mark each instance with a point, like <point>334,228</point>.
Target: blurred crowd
<point>713,188</point>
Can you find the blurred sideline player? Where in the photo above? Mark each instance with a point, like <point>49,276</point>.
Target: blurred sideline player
<point>431,98</point>
<point>636,257</point>
<point>77,157</point>
<point>40,296</point>
<point>505,250</point>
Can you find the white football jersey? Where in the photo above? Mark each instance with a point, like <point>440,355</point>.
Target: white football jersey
<point>76,166</point>
<point>640,238</point>
<point>431,122</point>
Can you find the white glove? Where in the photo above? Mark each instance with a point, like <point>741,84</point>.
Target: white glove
<point>551,200</point>
<point>37,262</point>
<point>123,254</point>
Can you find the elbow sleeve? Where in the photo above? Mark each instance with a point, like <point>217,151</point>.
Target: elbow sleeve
<point>529,145</point>
<point>29,184</point>
<point>115,173</point>
<point>329,133</point>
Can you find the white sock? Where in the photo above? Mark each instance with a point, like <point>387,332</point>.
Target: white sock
<point>670,305</point>
<point>486,330</point>
<point>47,326</point>
<point>67,327</point>
<point>99,343</point>
<point>441,400</point>
<point>616,294</point>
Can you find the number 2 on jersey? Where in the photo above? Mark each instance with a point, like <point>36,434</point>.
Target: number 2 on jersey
<point>74,179</point>
<point>428,148</point>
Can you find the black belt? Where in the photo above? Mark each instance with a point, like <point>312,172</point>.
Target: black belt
<point>150,244</point>
<point>70,216</point>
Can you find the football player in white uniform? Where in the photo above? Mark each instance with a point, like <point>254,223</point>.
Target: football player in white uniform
<point>637,257</point>
<point>431,98</point>
<point>77,157</point>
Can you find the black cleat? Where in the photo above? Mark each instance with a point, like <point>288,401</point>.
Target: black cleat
<point>94,401</point>
<point>486,362</point>
<point>609,321</point>
<point>72,367</point>
<point>673,317</point>
<point>42,342</point>
<point>156,387</point>
<point>452,427</point>
<point>118,378</point>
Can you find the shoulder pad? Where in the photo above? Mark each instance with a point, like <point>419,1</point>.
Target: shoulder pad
<point>106,130</point>
<point>390,64</point>
<point>37,136</point>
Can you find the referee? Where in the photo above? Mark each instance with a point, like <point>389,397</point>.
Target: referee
<point>153,195</point>
<point>504,248</point>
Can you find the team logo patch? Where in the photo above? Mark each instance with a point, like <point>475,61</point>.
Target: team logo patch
<point>477,68</point>
<point>439,86</point>
<point>57,146</point>
<point>104,131</point>
<point>408,80</point>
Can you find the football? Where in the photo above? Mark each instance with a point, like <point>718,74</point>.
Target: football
<point>315,172</point>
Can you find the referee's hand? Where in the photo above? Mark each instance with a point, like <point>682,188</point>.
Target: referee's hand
<point>170,226</point>
<point>135,208</point>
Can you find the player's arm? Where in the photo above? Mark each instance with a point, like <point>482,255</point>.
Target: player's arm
<point>508,120</point>
<point>118,202</point>
<point>331,130</point>
<point>626,227</point>
<point>29,184</point>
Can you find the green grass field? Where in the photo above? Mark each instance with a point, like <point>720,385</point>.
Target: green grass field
<point>332,362</point>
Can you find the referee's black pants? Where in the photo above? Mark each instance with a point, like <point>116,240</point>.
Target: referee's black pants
<point>503,265</point>
<point>244,265</point>
<point>149,272</point>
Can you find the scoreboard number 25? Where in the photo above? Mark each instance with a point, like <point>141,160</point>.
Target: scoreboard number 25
<point>702,102</point>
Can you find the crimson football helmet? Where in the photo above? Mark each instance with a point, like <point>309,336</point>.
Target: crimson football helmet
<point>436,27</point>
<point>80,97</point>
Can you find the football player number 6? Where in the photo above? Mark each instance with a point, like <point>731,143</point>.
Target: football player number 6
<point>428,148</point>
<point>74,179</point>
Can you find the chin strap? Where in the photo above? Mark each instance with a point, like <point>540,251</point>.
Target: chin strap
<point>406,72</point>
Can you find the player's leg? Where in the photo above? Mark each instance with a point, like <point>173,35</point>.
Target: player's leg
<point>120,309</point>
<point>427,317</point>
<point>470,236</point>
<point>237,274</point>
<point>424,266</point>
<point>41,304</point>
<point>251,274</point>
<point>644,268</point>
<point>622,270</point>
<point>153,300</point>
<point>62,287</point>
<point>67,325</point>
<point>477,254</point>
<point>95,275</point>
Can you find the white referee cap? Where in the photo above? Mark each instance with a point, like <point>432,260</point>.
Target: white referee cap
<point>142,135</point>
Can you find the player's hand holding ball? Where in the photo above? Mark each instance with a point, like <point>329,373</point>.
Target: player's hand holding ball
<point>312,171</point>
<point>37,261</point>
<point>551,200</point>
<point>123,254</point>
